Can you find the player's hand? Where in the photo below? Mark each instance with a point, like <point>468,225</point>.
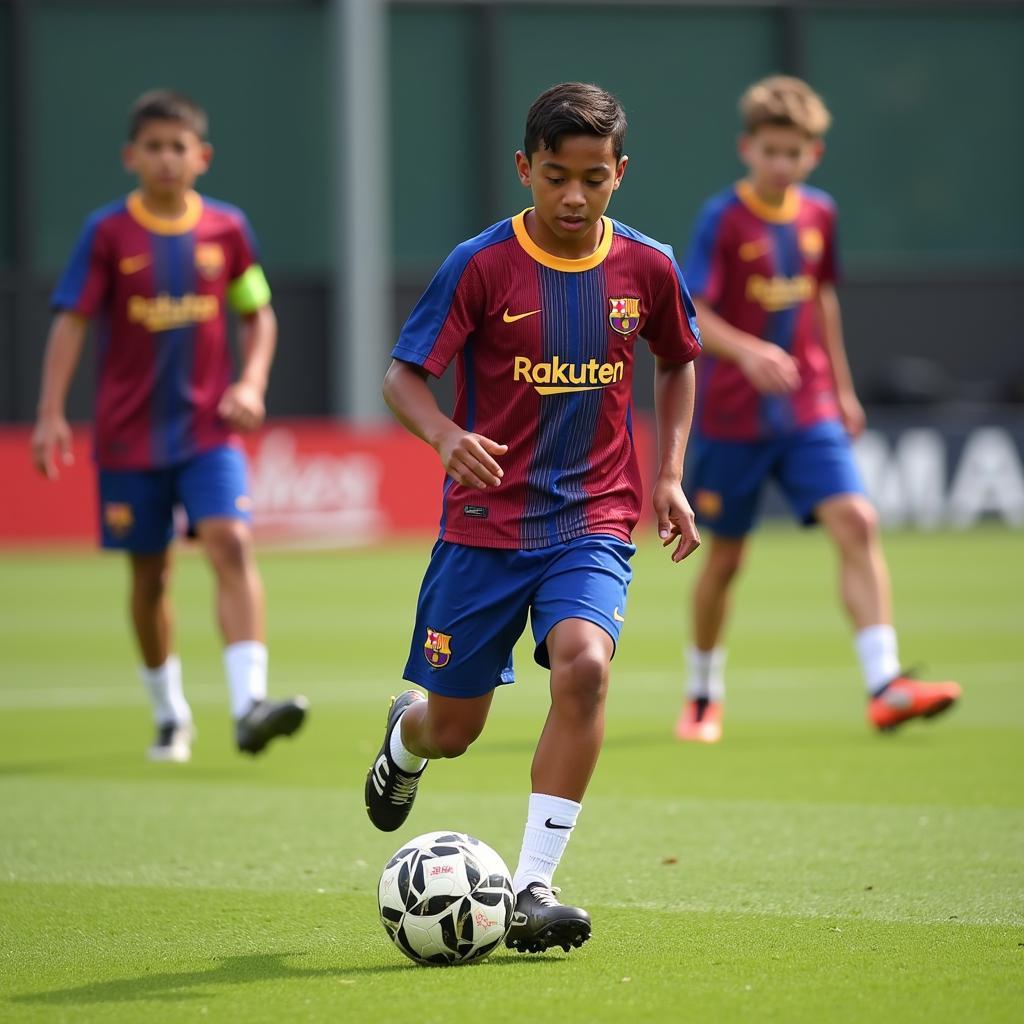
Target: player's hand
<point>469,459</point>
<point>851,412</point>
<point>770,369</point>
<point>675,519</point>
<point>51,436</point>
<point>241,407</point>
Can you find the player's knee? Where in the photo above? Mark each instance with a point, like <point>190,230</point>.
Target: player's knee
<point>857,525</point>
<point>151,583</point>
<point>228,548</point>
<point>724,564</point>
<point>579,685</point>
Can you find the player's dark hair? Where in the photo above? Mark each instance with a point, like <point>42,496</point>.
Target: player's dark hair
<point>166,105</point>
<point>574,108</point>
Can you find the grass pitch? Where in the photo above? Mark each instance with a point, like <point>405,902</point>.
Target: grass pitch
<point>805,869</point>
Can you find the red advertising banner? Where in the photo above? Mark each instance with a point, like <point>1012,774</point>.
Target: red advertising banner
<point>313,482</point>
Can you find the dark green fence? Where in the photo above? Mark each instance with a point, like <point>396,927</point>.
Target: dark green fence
<point>924,157</point>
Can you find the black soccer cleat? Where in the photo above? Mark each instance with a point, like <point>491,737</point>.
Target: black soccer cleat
<point>389,791</point>
<point>541,922</point>
<point>173,742</point>
<point>268,719</point>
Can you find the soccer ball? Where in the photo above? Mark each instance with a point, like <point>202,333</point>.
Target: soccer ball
<point>445,898</point>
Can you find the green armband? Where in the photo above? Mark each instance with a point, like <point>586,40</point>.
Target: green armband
<point>250,292</point>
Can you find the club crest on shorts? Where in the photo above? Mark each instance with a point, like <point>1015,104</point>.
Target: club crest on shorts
<point>625,315</point>
<point>118,517</point>
<point>437,648</point>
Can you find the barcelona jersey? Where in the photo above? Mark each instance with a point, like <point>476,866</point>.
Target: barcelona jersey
<point>543,352</point>
<point>158,289</point>
<point>759,267</point>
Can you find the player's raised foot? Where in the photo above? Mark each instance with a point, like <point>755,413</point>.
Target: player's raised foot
<point>268,719</point>
<point>905,698</point>
<point>173,743</point>
<point>540,922</point>
<point>389,791</point>
<point>700,721</point>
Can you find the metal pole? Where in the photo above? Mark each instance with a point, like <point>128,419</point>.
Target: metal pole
<point>361,313</point>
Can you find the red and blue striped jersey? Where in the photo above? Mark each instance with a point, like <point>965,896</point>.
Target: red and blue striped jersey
<point>157,290</point>
<point>543,352</point>
<point>759,267</point>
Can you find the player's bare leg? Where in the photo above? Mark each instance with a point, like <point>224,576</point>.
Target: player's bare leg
<point>852,523</point>
<point>444,726</point>
<point>228,546</point>
<point>240,600</point>
<point>700,719</point>
<point>152,614</point>
<point>153,620</point>
<point>418,729</point>
<point>580,653</point>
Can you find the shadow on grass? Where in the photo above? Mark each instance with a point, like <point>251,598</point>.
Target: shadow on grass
<point>232,970</point>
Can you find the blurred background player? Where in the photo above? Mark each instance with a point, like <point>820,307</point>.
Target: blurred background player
<point>540,314</point>
<point>157,270</point>
<point>776,401</point>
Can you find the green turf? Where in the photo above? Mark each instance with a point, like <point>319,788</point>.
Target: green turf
<point>804,870</point>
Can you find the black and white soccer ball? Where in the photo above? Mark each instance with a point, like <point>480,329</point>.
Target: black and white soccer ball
<point>446,898</point>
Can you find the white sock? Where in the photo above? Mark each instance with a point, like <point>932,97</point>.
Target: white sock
<point>404,758</point>
<point>165,693</point>
<point>246,666</point>
<point>706,677</point>
<point>879,660</point>
<point>549,824</point>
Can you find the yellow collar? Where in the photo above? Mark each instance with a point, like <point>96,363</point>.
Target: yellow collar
<point>546,259</point>
<point>166,225</point>
<point>783,214</point>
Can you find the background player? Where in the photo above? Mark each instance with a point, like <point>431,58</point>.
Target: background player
<point>776,400</point>
<point>157,270</point>
<point>540,314</point>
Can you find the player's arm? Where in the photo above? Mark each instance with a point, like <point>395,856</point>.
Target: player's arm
<point>467,458</point>
<point>850,409</point>
<point>674,385</point>
<point>52,433</point>
<point>770,369</point>
<point>243,404</point>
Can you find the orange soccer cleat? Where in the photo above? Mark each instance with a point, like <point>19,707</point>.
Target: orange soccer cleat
<point>905,698</point>
<point>700,721</point>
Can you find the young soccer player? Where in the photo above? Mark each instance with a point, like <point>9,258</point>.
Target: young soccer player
<point>776,400</point>
<point>540,314</point>
<point>156,271</point>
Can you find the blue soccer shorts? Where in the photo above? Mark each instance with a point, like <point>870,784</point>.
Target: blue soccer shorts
<point>137,506</point>
<point>474,603</point>
<point>810,466</point>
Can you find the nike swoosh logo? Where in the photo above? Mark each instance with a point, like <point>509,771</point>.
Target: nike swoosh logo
<point>511,318</point>
<point>550,824</point>
<point>133,264</point>
<point>617,617</point>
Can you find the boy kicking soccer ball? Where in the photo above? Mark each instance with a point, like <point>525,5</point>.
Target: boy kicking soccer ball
<point>540,314</point>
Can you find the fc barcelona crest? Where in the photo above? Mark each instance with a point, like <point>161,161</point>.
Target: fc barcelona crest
<point>209,260</point>
<point>625,315</point>
<point>437,648</point>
